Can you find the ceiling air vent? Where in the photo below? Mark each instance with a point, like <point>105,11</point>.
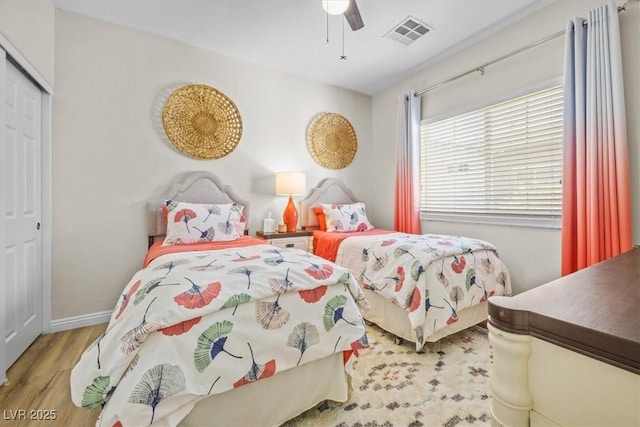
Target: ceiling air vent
<point>408,31</point>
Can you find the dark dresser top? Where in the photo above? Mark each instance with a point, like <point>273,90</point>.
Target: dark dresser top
<point>594,311</point>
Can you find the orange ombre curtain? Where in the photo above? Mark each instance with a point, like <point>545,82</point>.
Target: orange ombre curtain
<point>406,216</point>
<point>596,199</point>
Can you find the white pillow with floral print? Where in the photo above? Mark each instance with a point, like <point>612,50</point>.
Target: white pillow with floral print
<point>195,223</point>
<point>346,218</point>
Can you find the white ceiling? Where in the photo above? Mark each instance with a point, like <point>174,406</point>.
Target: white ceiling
<point>290,35</point>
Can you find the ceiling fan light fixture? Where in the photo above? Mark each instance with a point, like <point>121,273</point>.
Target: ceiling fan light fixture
<point>335,7</point>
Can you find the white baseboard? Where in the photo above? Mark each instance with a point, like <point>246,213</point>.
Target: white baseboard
<point>75,322</point>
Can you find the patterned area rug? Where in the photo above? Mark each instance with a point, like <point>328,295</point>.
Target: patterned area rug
<point>447,385</point>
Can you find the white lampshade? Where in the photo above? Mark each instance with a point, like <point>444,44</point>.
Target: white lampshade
<point>290,183</point>
<point>335,7</point>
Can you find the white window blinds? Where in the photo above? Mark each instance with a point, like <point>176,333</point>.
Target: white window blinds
<point>499,164</point>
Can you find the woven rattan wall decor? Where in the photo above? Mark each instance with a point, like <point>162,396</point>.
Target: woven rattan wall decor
<point>332,140</point>
<point>202,122</point>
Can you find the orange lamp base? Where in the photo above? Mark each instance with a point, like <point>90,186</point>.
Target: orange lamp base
<point>290,215</point>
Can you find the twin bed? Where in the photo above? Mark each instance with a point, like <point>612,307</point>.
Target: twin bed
<point>223,330</point>
<point>420,288</point>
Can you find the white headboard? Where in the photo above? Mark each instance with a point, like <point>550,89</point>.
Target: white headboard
<point>196,187</point>
<point>330,191</point>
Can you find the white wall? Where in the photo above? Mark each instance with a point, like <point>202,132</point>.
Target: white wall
<point>18,19</point>
<point>630,37</point>
<point>533,255</point>
<point>111,155</point>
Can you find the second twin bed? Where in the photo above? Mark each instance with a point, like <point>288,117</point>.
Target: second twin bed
<point>420,287</point>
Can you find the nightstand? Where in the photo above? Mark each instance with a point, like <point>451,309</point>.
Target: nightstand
<point>300,239</point>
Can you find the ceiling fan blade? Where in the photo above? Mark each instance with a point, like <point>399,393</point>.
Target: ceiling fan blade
<point>353,17</point>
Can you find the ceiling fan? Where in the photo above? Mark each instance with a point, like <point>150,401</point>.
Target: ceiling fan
<point>348,8</point>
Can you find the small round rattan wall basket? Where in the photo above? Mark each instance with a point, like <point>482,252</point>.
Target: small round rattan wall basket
<point>202,122</point>
<point>332,140</point>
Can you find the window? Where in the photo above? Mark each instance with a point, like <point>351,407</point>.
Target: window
<point>499,164</point>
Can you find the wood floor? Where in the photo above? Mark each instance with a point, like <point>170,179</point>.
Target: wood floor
<point>38,383</point>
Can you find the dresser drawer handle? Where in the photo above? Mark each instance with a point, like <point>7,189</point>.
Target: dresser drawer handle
<point>290,245</point>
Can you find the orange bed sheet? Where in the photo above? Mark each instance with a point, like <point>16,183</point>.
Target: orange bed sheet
<point>326,245</point>
<point>157,249</point>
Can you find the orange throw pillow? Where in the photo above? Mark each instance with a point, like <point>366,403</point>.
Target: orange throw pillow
<point>322,222</point>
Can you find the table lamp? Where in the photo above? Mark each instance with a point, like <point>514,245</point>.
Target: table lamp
<point>290,184</point>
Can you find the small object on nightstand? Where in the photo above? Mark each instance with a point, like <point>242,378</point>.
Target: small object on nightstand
<point>282,228</point>
<point>269,224</point>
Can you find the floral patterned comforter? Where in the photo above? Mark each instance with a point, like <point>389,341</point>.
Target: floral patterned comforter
<point>193,324</point>
<point>431,276</point>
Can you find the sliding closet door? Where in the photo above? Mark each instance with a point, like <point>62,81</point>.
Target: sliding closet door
<point>20,213</point>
